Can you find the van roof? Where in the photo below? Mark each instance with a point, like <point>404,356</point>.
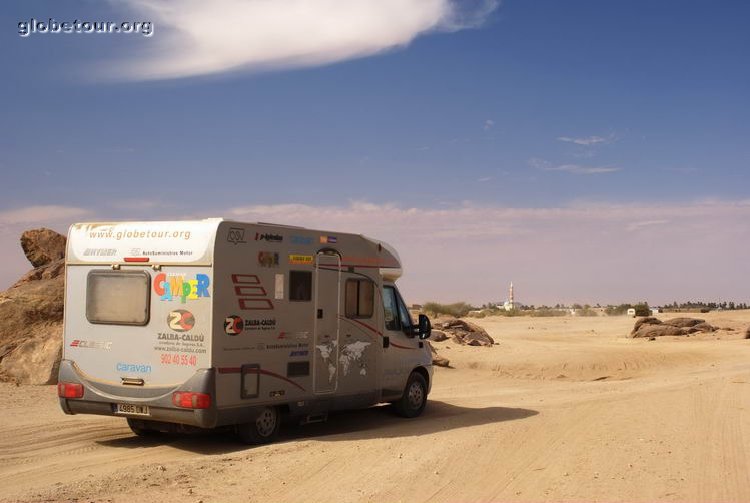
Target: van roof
<point>175,242</point>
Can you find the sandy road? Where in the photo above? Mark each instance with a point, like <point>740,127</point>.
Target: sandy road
<point>560,410</point>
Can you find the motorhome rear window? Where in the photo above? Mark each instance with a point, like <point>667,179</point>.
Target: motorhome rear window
<point>117,297</point>
<point>360,294</point>
<point>300,285</point>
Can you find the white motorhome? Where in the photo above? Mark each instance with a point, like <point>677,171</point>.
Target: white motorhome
<point>218,323</point>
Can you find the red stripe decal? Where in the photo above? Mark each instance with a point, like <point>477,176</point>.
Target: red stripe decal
<point>368,327</point>
<point>237,370</point>
<point>371,329</point>
<point>400,347</point>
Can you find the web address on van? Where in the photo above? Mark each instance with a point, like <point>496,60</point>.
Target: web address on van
<point>139,234</point>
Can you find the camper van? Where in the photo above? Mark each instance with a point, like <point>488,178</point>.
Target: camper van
<point>215,323</point>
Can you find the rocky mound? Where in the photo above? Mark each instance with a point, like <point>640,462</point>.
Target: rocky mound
<point>653,327</point>
<point>462,332</point>
<point>31,312</point>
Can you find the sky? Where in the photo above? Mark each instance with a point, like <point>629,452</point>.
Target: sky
<point>588,151</point>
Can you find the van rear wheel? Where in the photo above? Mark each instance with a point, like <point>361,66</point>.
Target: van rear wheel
<point>414,399</point>
<point>263,430</point>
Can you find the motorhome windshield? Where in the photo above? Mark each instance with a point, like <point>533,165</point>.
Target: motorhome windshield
<point>117,297</point>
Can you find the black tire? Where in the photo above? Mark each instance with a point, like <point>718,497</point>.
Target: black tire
<point>263,430</point>
<point>137,426</point>
<point>414,399</point>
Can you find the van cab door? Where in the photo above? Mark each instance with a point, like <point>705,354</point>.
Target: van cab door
<point>400,346</point>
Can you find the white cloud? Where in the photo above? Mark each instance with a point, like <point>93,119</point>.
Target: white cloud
<point>196,37</point>
<point>484,179</point>
<point>588,140</point>
<point>32,215</point>
<point>647,223</point>
<point>575,169</point>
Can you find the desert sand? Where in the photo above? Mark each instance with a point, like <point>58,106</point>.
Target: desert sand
<point>561,409</point>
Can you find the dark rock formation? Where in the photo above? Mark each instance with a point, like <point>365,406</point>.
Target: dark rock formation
<point>463,332</point>
<point>651,327</point>
<point>42,246</point>
<point>438,336</point>
<point>31,313</point>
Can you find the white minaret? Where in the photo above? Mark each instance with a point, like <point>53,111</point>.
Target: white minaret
<point>510,304</point>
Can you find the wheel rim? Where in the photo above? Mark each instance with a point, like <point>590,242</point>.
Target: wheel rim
<point>266,422</point>
<point>416,395</point>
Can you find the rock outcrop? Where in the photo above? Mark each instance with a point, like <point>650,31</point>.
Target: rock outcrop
<point>652,327</point>
<point>31,312</point>
<point>43,246</point>
<point>463,332</point>
<point>438,336</point>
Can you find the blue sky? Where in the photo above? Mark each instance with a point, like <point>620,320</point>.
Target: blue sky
<point>524,124</point>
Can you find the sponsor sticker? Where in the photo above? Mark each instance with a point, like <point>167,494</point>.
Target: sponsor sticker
<point>173,287</point>
<point>278,287</point>
<point>261,324</point>
<point>328,239</point>
<point>268,236</point>
<point>301,240</point>
<point>268,259</point>
<point>77,343</point>
<point>236,235</point>
<point>180,320</point>
<point>301,259</point>
<point>233,325</point>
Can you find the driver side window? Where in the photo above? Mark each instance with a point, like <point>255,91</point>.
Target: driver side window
<point>403,313</point>
<point>397,316</point>
<point>390,309</point>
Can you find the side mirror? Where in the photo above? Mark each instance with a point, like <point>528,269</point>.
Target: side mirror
<point>425,327</point>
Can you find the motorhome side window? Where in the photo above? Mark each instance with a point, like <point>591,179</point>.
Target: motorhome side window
<point>300,286</point>
<point>360,294</point>
<point>390,309</point>
<point>118,297</point>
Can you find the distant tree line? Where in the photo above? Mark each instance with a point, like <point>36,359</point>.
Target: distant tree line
<point>699,305</point>
<point>461,309</point>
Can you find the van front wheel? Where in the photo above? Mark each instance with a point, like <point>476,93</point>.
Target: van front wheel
<point>414,400</point>
<point>263,430</point>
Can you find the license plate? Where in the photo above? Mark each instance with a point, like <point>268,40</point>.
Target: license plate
<point>133,410</point>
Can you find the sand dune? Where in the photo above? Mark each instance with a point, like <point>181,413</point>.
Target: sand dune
<point>562,409</point>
